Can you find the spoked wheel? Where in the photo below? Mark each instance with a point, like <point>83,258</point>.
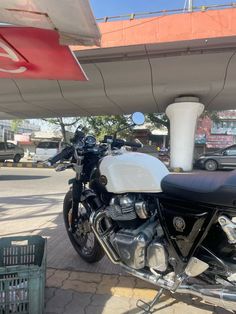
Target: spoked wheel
<point>83,239</point>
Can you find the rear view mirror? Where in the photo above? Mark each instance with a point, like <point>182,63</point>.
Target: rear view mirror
<point>138,118</point>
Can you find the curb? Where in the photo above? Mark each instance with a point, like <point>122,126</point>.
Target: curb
<point>24,165</point>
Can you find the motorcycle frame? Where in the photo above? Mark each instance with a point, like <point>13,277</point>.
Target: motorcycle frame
<point>176,259</point>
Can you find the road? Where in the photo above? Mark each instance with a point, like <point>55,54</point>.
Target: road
<point>31,202</point>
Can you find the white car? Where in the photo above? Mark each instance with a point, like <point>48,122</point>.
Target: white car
<point>45,150</point>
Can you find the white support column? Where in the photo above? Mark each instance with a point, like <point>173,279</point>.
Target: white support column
<point>183,115</point>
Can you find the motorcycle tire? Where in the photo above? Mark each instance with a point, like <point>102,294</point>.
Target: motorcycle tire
<point>96,252</point>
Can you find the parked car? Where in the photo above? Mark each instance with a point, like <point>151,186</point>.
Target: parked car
<point>45,150</point>
<point>10,151</point>
<point>223,158</point>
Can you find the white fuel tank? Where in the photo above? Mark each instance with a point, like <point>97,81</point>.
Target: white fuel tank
<point>133,172</point>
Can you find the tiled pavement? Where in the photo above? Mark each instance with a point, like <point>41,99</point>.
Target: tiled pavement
<point>71,292</point>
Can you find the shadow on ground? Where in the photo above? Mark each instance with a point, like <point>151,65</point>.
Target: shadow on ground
<point>45,202</point>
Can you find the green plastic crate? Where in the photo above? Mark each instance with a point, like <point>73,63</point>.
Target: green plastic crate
<point>22,275</point>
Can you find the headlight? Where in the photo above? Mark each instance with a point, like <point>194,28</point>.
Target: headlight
<point>90,140</point>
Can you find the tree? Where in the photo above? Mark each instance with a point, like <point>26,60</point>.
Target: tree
<point>15,125</point>
<point>160,121</point>
<point>108,125</point>
<point>97,125</point>
<point>63,124</point>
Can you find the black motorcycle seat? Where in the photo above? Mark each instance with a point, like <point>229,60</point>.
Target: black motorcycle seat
<point>218,188</point>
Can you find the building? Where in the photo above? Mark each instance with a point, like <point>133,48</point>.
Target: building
<point>148,135</point>
<point>26,127</point>
<point>213,135</point>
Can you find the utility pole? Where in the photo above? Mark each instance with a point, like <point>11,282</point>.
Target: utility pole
<point>190,5</point>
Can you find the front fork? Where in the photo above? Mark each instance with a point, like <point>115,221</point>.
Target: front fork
<point>77,188</point>
<point>88,198</point>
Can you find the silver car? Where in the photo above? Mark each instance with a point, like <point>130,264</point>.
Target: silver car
<point>10,151</point>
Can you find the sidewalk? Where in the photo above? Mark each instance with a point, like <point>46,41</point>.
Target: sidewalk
<point>72,292</point>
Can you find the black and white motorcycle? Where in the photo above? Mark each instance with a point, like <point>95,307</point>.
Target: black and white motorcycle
<point>176,231</point>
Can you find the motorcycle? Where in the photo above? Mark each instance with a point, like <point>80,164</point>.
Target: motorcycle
<point>176,231</point>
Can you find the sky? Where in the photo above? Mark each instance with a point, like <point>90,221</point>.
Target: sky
<point>103,8</point>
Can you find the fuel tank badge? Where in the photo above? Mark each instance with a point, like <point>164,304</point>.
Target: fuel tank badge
<point>103,180</point>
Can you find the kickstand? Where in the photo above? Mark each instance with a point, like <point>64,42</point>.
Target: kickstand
<point>146,307</point>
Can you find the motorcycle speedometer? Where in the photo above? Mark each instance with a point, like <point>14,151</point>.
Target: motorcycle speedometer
<point>90,140</point>
<point>79,144</point>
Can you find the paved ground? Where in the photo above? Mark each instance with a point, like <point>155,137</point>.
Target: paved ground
<point>31,203</point>
<point>71,292</point>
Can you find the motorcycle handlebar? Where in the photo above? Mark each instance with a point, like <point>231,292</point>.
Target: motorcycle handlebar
<point>133,144</point>
<point>66,153</point>
<point>119,143</point>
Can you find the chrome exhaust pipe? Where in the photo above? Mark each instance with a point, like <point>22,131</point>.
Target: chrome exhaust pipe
<point>221,296</point>
<point>218,295</point>
<point>149,277</point>
<point>224,297</point>
<point>95,221</point>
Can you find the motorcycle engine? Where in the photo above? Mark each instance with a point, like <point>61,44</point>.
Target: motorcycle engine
<point>130,210</point>
<point>140,239</point>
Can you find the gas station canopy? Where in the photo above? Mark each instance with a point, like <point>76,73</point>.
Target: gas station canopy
<point>72,19</point>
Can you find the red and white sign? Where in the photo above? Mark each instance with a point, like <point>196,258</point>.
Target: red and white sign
<point>33,53</point>
<point>22,138</point>
<point>219,141</point>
